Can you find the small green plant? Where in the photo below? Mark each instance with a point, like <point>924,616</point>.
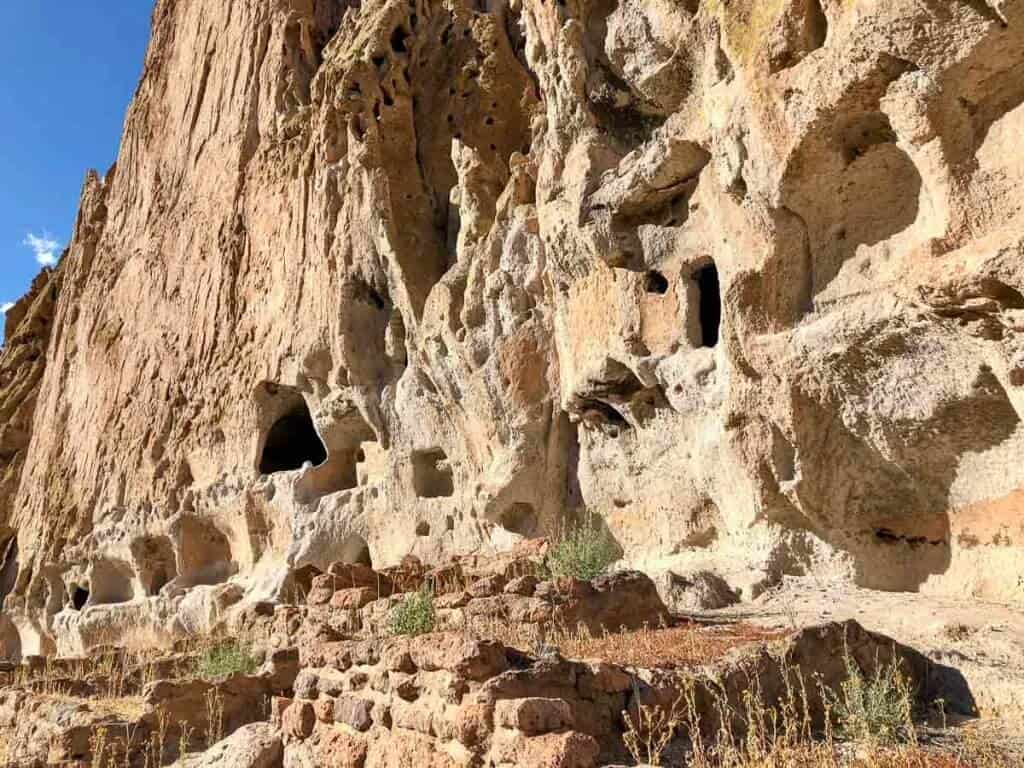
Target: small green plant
<point>585,552</point>
<point>876,709</point>
<point>226,659</point>
<point>415,615</point>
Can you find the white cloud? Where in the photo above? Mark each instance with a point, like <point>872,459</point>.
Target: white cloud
<point>5,308</point>
<point>44,247</point>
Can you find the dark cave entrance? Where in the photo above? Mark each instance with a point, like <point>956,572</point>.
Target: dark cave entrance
<point>291,442</point>
<point>710,304</point>
<point>79,597</point>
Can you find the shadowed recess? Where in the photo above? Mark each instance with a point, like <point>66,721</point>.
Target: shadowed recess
<point>293,440</point>
<point>710,305</point>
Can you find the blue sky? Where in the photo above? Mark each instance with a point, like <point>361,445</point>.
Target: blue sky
<point>67,73</point>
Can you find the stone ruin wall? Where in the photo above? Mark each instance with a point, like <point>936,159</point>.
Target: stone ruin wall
<point>742,280</point>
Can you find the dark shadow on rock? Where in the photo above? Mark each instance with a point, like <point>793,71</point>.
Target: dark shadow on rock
<point>948,686</point>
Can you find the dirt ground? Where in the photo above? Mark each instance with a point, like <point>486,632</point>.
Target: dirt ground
<point>980,643</point>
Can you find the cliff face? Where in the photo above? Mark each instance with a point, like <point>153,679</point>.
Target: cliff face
<point>743,280</point>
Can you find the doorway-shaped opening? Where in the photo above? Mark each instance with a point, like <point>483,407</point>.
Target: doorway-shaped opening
<point>292,441</point>
<point>355,551</point>
<point>110,582</point>
<point>204,554</point>
<point>432,474</point>
<point>521,518</point>
<point>155,563</point>
<point>709,305</point>
<point>79,597</point>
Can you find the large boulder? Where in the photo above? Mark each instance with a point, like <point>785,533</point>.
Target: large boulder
<point>251,746</point>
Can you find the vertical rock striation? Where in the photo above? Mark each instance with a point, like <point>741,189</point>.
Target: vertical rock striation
<point>745,280</point>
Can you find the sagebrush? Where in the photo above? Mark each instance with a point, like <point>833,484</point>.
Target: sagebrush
<point>414,615</point>
<point>226,659</point>
<point>584,552</point>
<point>877,708</point>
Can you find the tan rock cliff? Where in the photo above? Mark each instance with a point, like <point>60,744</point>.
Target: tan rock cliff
<point>743,279</point>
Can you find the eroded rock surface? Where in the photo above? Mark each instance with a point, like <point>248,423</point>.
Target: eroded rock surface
<point>370,279</point>
<point>334,691</point>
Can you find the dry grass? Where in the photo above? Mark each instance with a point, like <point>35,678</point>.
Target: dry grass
<point>109,682</point>
<point>113,672</point>
<point>668,647</point>
<point>820,755</point>
<point>777,739</point>
<point>214,717</point>
<point>126,708</point>
<point>677,647</point>
<point>655,735</point>
<point>917,757</point>
<point>754,735</point>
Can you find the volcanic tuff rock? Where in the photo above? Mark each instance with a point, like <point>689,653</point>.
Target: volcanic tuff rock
<point>744,280</point>
<point>365,698</point>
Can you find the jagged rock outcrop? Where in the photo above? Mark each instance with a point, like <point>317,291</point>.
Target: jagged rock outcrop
<point>744,280</point>
<point>29,324</point>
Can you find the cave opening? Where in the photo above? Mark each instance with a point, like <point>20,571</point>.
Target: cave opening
<point>204,552</point>
<point>710,304</point>
<point>291,442</point>
<point>432,474</point>
<point>656,283</point>
<point>816,25</point>
<point>110,582</point>
<point>79,597</point>
<point>347,438</point>
<point>355,551</point>
<point>155,563</point>
<point>521,518</point>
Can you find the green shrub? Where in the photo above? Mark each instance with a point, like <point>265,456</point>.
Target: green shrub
<point>585,552</point>
<point>229,658</point>
<point>415,615</point>
<point>878,709</point>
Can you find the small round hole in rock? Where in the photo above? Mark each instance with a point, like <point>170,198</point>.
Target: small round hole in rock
<point>423,528</point>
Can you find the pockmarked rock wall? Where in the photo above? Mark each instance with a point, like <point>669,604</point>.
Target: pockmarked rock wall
<point>742,281</point>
